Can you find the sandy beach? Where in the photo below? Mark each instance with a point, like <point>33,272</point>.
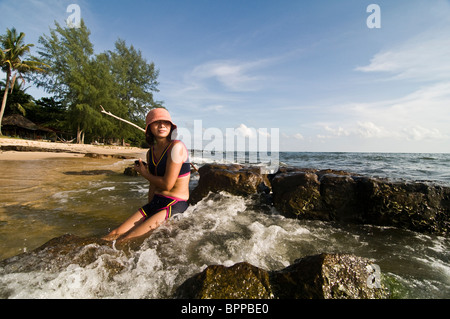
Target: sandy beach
<point>52,150</point>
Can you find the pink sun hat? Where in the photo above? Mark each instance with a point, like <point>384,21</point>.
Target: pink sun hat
<point>158,114</point>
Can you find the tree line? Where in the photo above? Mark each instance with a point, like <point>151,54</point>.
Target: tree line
<point>79,81</point>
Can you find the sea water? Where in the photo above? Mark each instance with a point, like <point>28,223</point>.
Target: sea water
<point>44,199</point>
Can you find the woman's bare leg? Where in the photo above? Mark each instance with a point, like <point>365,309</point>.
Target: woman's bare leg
<point>129,224</point>
<point>143,228</point>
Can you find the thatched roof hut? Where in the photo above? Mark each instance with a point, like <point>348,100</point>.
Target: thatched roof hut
<point>17,125</point>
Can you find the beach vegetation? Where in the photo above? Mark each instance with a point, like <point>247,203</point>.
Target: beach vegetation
<point>18,101</point>
<point>122,80</point>
<point>51,112</point>
<point>14,63</point>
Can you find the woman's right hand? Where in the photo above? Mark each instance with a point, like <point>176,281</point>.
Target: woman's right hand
<point>140,167</point>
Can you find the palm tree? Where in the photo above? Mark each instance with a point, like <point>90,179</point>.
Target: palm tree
<point>12,50</point>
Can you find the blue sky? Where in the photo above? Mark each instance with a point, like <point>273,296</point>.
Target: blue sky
<point>312,69</point>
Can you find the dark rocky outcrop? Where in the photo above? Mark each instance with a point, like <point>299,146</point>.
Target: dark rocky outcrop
<point>336,196</point>
<point>329,276</point>
<point>101,156</point>
<point>234,179</point>
<point>28,148</point>
<point>58,253</point>
<point>339,196</point>
<point>131,171</point>
<point>324,276</point>
<point>241,281</point>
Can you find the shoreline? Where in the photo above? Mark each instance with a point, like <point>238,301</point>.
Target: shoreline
<point>19,149</point>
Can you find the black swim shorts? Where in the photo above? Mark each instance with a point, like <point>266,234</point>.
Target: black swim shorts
<point>171,205</point>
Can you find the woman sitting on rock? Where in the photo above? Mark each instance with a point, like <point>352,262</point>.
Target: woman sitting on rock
<point>168,171</point>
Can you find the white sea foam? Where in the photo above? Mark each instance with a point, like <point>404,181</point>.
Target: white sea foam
<point>65,196</point>
<point>111,188</point>
<point>220,229</point>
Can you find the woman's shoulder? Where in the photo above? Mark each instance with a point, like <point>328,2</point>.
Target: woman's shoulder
<point>179,151</point>
<point>178,143</point>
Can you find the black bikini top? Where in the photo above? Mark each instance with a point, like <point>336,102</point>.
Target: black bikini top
<point>158,167</point>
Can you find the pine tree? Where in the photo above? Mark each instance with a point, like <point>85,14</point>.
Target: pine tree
<point>121,80</point>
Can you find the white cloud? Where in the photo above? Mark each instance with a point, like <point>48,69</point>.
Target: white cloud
<point>245,131</point>
<point>214,107</point>
<point>250,132</point>
<point>426,107</point>
<point>264,133</point>
<point>196,89</point>
<point>419,133</point>
<point>371,130</point>
<point>340,131</point>
<point>422,115</point>
<point>35,17</point>
<point>234,75</point>
<point>423,57</point>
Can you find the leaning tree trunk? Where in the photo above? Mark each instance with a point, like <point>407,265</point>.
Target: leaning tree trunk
<point>5,97</point>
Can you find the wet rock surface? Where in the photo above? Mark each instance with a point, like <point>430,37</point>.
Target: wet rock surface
<point>298,193</point>
<point>29,148</point>
<point>342,197</point>
<point>26,148</point>
<point>336,196</point>
<point>324,276</point>
<point>241,281</point>
<point>58,253</point>
<point>101,156</point>
<point>329,276</point>
<point>234,179</point>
